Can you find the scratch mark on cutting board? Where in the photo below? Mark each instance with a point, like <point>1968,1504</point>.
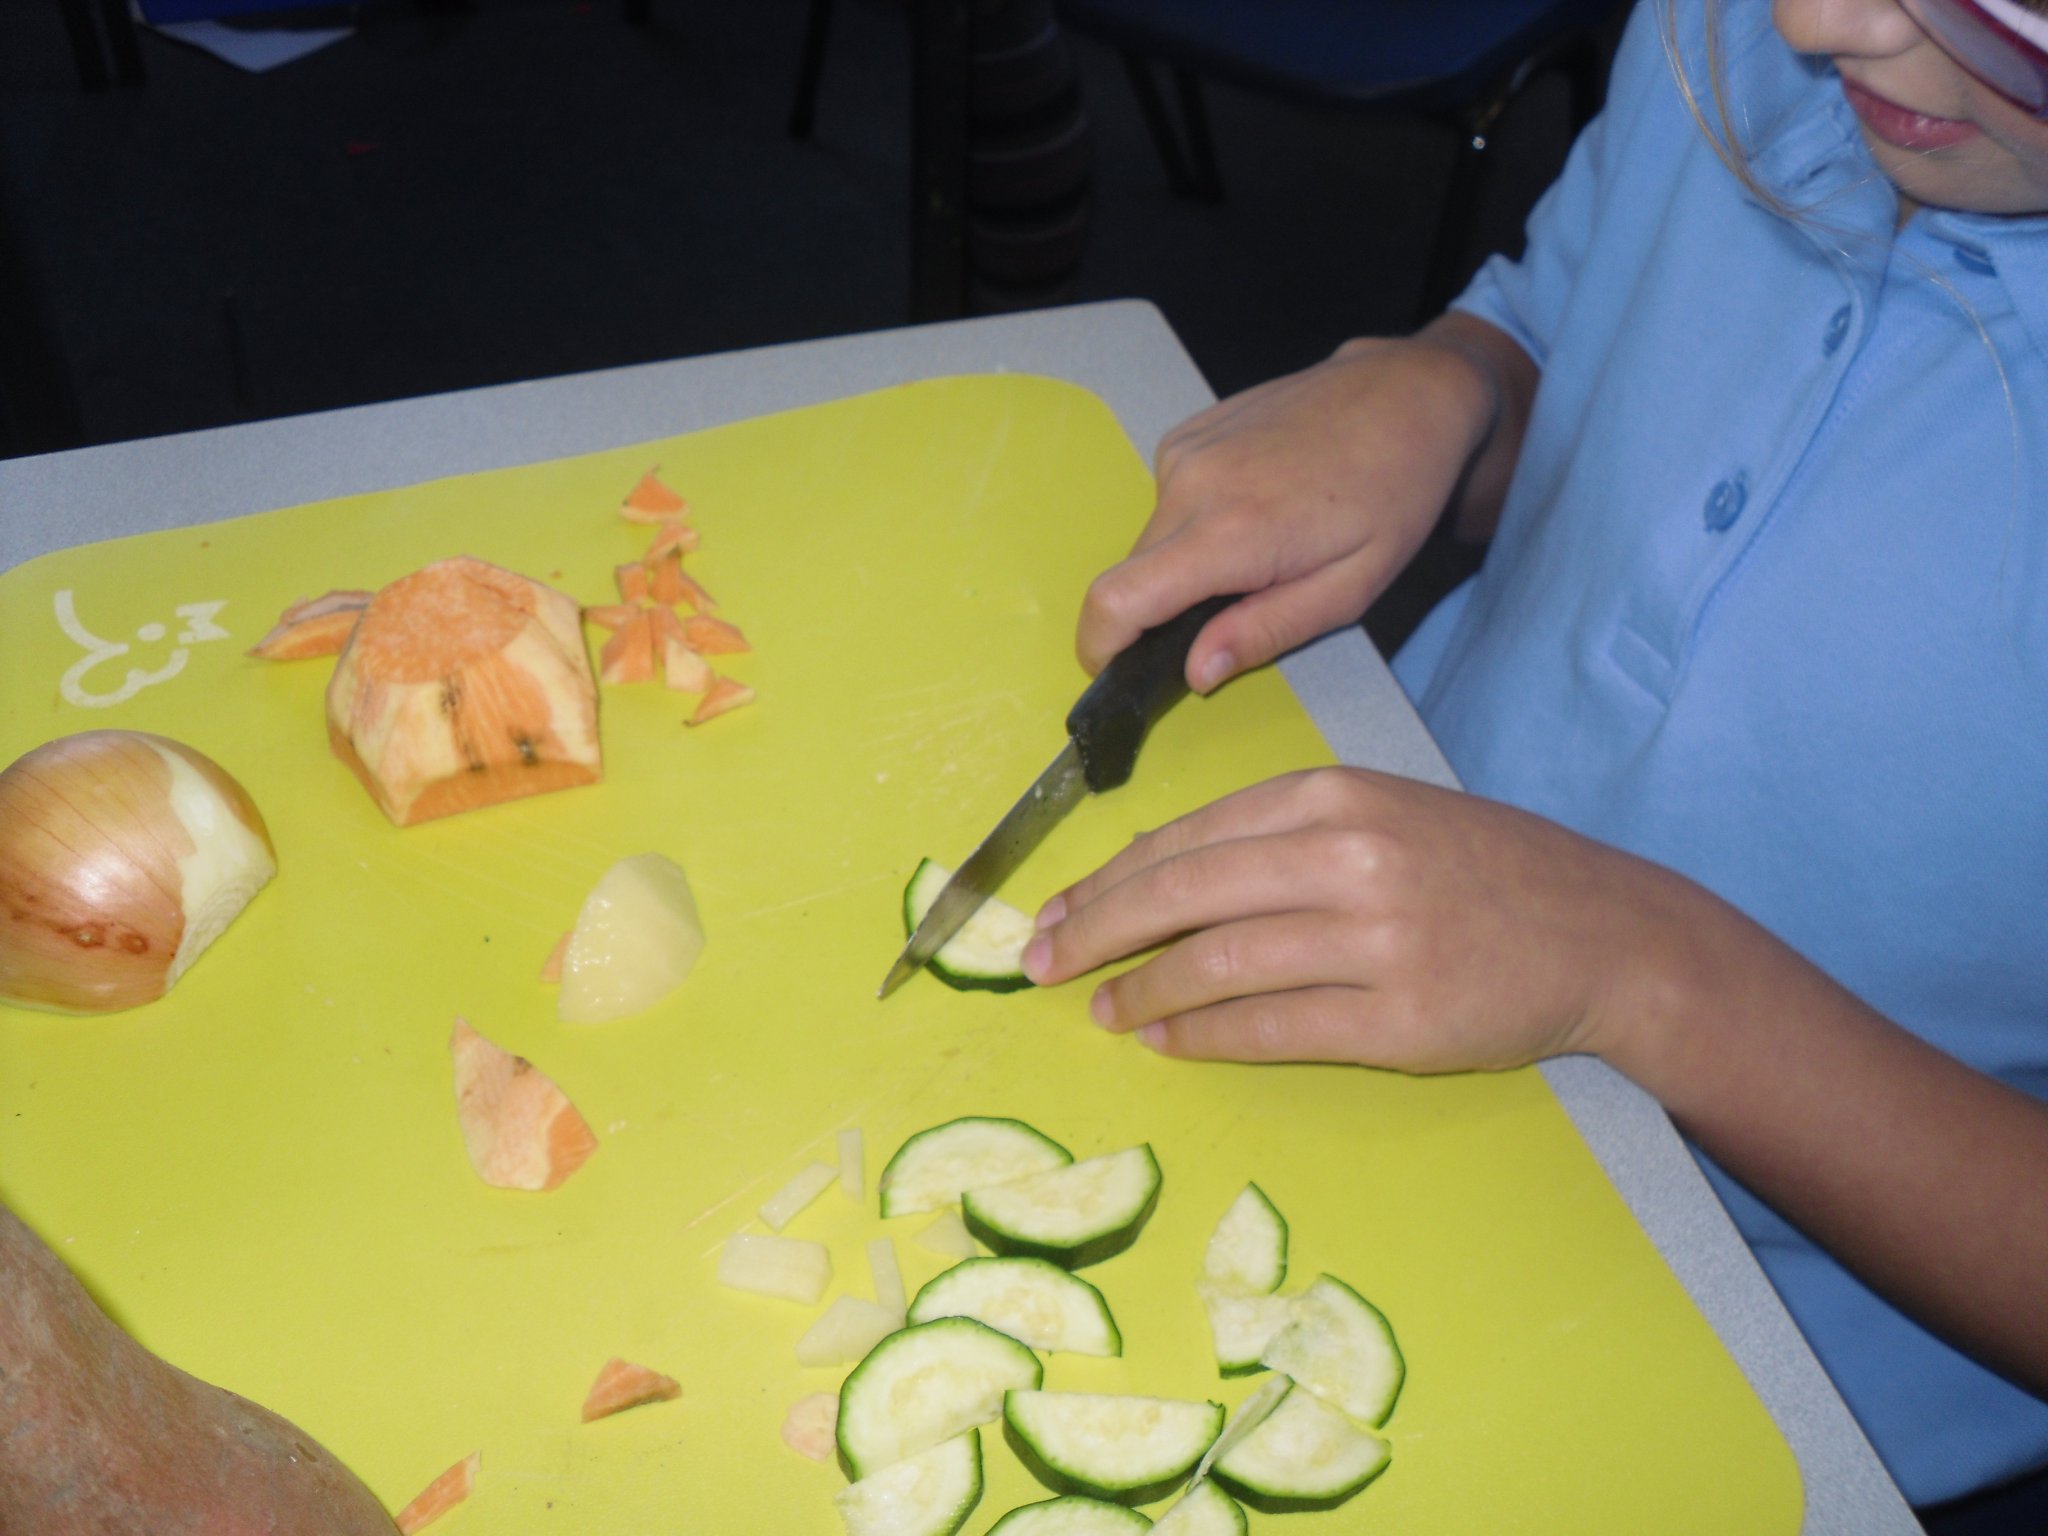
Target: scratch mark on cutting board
<point>825,895</point>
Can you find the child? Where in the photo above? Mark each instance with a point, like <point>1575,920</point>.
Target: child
<point>1753,683</point>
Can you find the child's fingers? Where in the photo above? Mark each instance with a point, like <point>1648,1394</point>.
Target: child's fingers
<point>1270,807</point>
<point>1310,1024</point>
<point>1215,883</point>
<point>1268,955</point>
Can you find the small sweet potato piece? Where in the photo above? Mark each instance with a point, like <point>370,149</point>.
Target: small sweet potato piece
<point>464,685</point>
<point>723,694</point>
<point>313,626</point>
<point>651,501</point>
<point>610,615</point>
<point>669,583</point>
<point>673,535</point>
<point>628,657</point>
<point>551,968</point>
<point>632,581</point>
<point>811,1426</point>
<point>713,637</point>
<point>441,1495</point>
<point>622,1385</point>
<point>521,1131</point>
<point>682,669</point>
<point>98,1435</point>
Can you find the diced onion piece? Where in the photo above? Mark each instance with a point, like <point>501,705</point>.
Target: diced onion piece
<point>887,1274</point>
<point>634,942</point>
<point>791,1268</point>
<point>853,1164</point>
<point>809,1183</point>
<point>846,1331</point>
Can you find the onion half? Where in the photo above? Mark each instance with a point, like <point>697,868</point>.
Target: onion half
<point>122,856</point>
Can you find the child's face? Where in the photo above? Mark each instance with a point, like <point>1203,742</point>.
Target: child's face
<point>1944,137</point>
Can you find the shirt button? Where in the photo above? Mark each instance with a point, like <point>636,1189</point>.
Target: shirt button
<point>1971,259</point>
<point>1725,501</point>
<point>1837,331</point>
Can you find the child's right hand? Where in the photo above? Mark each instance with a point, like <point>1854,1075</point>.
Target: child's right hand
<point>1309,493</point>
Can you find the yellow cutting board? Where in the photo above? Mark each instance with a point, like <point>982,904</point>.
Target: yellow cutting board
<point>261,1176</point>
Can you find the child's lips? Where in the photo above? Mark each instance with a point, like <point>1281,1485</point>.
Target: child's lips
<point>1902,127</point>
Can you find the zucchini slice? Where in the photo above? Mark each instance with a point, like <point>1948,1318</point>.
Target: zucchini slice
<point>926,1384</point>
<point>1112,1447</point>
<point>933,1167</point>
<point>1248,1250</point>
<point>987,954</point>
<point>1033,1301</point>
<point>1242,1326</point>
<point>1342,1349</point>
<point>1246,1417</point>
<point>929,1494</point>
<point>1204,1510</point>
<point>1303,1455</point>
<point>1073,1215</point>
<point>1071,1516</point>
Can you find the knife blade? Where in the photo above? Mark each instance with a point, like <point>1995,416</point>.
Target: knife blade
<point>1104,731</point>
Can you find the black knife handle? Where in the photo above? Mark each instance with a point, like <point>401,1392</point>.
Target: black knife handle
<point>1145,680</point>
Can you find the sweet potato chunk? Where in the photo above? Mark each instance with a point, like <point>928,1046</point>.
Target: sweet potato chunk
<point>521,1131</point>
<point>99,1435</point>
<point>464,685</point>
<point>622,1384</point>
<point>713,637</point>
<point>314,626</point>
<point>724,694</point>
<point>440,1496</point>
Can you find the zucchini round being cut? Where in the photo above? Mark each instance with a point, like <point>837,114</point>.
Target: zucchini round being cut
<point>1073,1215</point>
<point>1071,1516</point>
<point>935,1166</point>
<point>1303,1455</point>
<point>929,1494</point>
<point>1248,1250</point>
<point>925,1384</point>
<point>1342,1349</point>
<point>1031,1300</point>
<point>987,954</point>
<point>1204,1510</point>
<point>1112,1447</point>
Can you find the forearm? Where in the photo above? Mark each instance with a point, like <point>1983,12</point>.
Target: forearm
<point>1927,1179</point>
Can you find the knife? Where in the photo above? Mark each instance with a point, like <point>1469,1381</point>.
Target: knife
<point>1104,730</point>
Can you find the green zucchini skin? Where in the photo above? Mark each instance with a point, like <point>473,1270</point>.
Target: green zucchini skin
<point>918,895</point>
<point>1064,1481</point>
<point>1072,1255</point>
<point>1067,1510</point>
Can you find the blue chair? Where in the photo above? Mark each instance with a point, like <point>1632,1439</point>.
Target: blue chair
<point>1460,62</point>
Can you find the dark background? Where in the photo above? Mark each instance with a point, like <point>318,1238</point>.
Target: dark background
<point>465,194</point>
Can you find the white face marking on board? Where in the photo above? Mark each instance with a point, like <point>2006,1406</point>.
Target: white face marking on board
<point>199,627</point>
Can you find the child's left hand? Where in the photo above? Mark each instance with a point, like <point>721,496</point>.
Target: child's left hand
<point>1344,915</point>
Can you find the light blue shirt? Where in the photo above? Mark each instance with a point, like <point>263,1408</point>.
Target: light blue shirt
<point>1769,605</point>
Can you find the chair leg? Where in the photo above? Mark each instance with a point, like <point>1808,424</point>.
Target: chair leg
<point>86,52</point>
<point>1190,168</point>
<point>1207,184</point>
<point>122,43</point>
<point>938,158</point>
<point>1445,273</point>
<point>810,72</point>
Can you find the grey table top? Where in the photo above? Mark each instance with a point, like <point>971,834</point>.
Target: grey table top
<point>1126,353</point>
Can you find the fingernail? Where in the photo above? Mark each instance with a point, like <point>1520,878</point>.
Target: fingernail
<point>1154,1034</point>
<point>1036,956</point>
<point>1101,1009</point>
<point>1213,671</point>
<point>1051,913</point>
